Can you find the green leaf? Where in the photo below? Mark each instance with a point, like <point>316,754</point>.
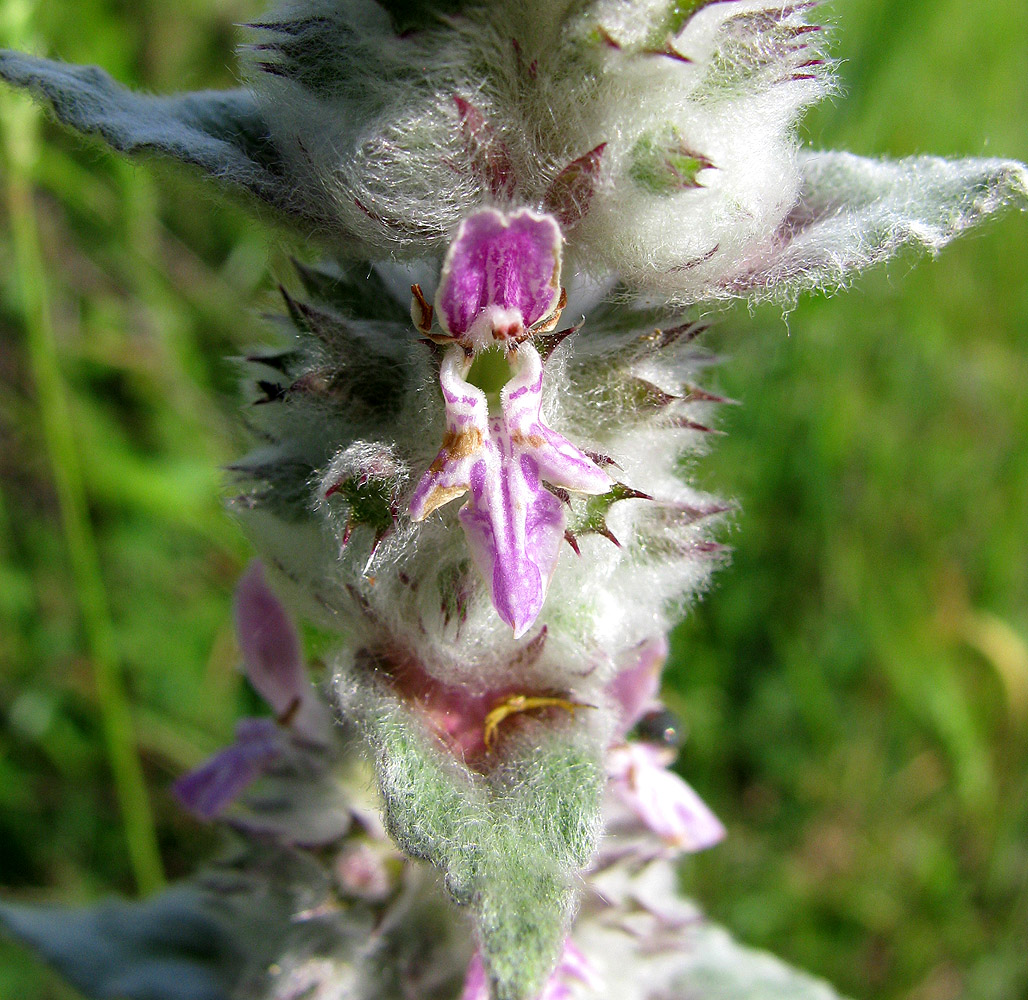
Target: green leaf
<point>509,843</point>
<point>166,948</point>
<point>222,132</point>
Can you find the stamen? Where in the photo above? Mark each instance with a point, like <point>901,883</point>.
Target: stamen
<point>516,703</point>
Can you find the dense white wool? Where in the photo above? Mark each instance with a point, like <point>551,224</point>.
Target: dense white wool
<point>611,389</point>
<point>854,212</point>
<point>553,81</point>
<point>736,104</point>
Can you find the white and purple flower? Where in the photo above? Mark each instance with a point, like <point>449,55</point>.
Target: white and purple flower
<point>500,285</point>
<point>500,280</point>
<point>649,148</point>
<point>638,769</point>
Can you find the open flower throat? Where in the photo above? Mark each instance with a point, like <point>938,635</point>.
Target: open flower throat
<point>500,285</point>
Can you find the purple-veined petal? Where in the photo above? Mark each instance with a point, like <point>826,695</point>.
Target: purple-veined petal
<point>210,788</point>
<point>573,967</point>
<point>467,428</point>
<point>557,460</point>
<point>635,687</point>
<point>514,528</point>
<point>500,277</point>
<point>513,524</point>
<point>669,807</point>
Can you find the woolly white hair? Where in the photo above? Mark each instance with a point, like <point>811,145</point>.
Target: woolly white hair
<point>623,389</point>
<point>719,89</point>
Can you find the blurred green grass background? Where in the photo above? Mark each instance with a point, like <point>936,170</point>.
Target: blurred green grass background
<point>855,687</point>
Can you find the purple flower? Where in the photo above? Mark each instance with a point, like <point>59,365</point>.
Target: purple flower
<point>572,968</point>
<point>635,687</point>
<point>640,778</point>
<point>272,657</point>
<point>514,525</point>
<point>639,773</point>
<point>274,666</point>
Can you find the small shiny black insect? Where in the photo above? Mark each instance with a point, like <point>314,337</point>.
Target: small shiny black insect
<point>661,727</point>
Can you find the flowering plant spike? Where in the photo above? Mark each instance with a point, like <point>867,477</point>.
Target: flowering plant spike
<point>470,174</point>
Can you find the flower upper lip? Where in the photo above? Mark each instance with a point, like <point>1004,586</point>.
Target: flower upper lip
<point>500,278</point>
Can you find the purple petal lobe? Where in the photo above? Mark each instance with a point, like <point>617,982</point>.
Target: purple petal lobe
<point>573,967</point>
<point>218,782</point>
<point>500,277</point>
<point>272,658</point>
<point>514,525</point>
<point>467,428</point>
<point>663,801</point>
<point>476,983</point>
<point>268,640</point>
<point>635,687</point>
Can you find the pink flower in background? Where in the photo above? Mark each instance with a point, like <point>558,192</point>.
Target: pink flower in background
<point>572,969</point>
<point>668,806</point>
<point>643,160</point>
<point>639,771</point>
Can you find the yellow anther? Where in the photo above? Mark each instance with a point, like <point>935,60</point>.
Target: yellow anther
<point>516,703</point>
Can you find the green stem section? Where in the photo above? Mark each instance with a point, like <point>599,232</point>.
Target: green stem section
<point>19,121</point>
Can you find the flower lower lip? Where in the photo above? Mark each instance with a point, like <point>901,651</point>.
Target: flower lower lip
<point>513,524</point>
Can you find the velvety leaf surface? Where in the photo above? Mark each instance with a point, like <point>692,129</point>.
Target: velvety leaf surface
<point>222,132</point>
<point>855,211</point>
<point>167,948</point>
<point>509,845</point>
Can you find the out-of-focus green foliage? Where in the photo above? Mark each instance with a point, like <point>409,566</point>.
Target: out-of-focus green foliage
<point>856,685</point>
<point>855,689</point>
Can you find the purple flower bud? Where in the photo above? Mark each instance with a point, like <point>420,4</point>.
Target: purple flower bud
<point>514,525</point>
<point>640,777</point>
<point>210,788</point>
<point>501,276</point>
